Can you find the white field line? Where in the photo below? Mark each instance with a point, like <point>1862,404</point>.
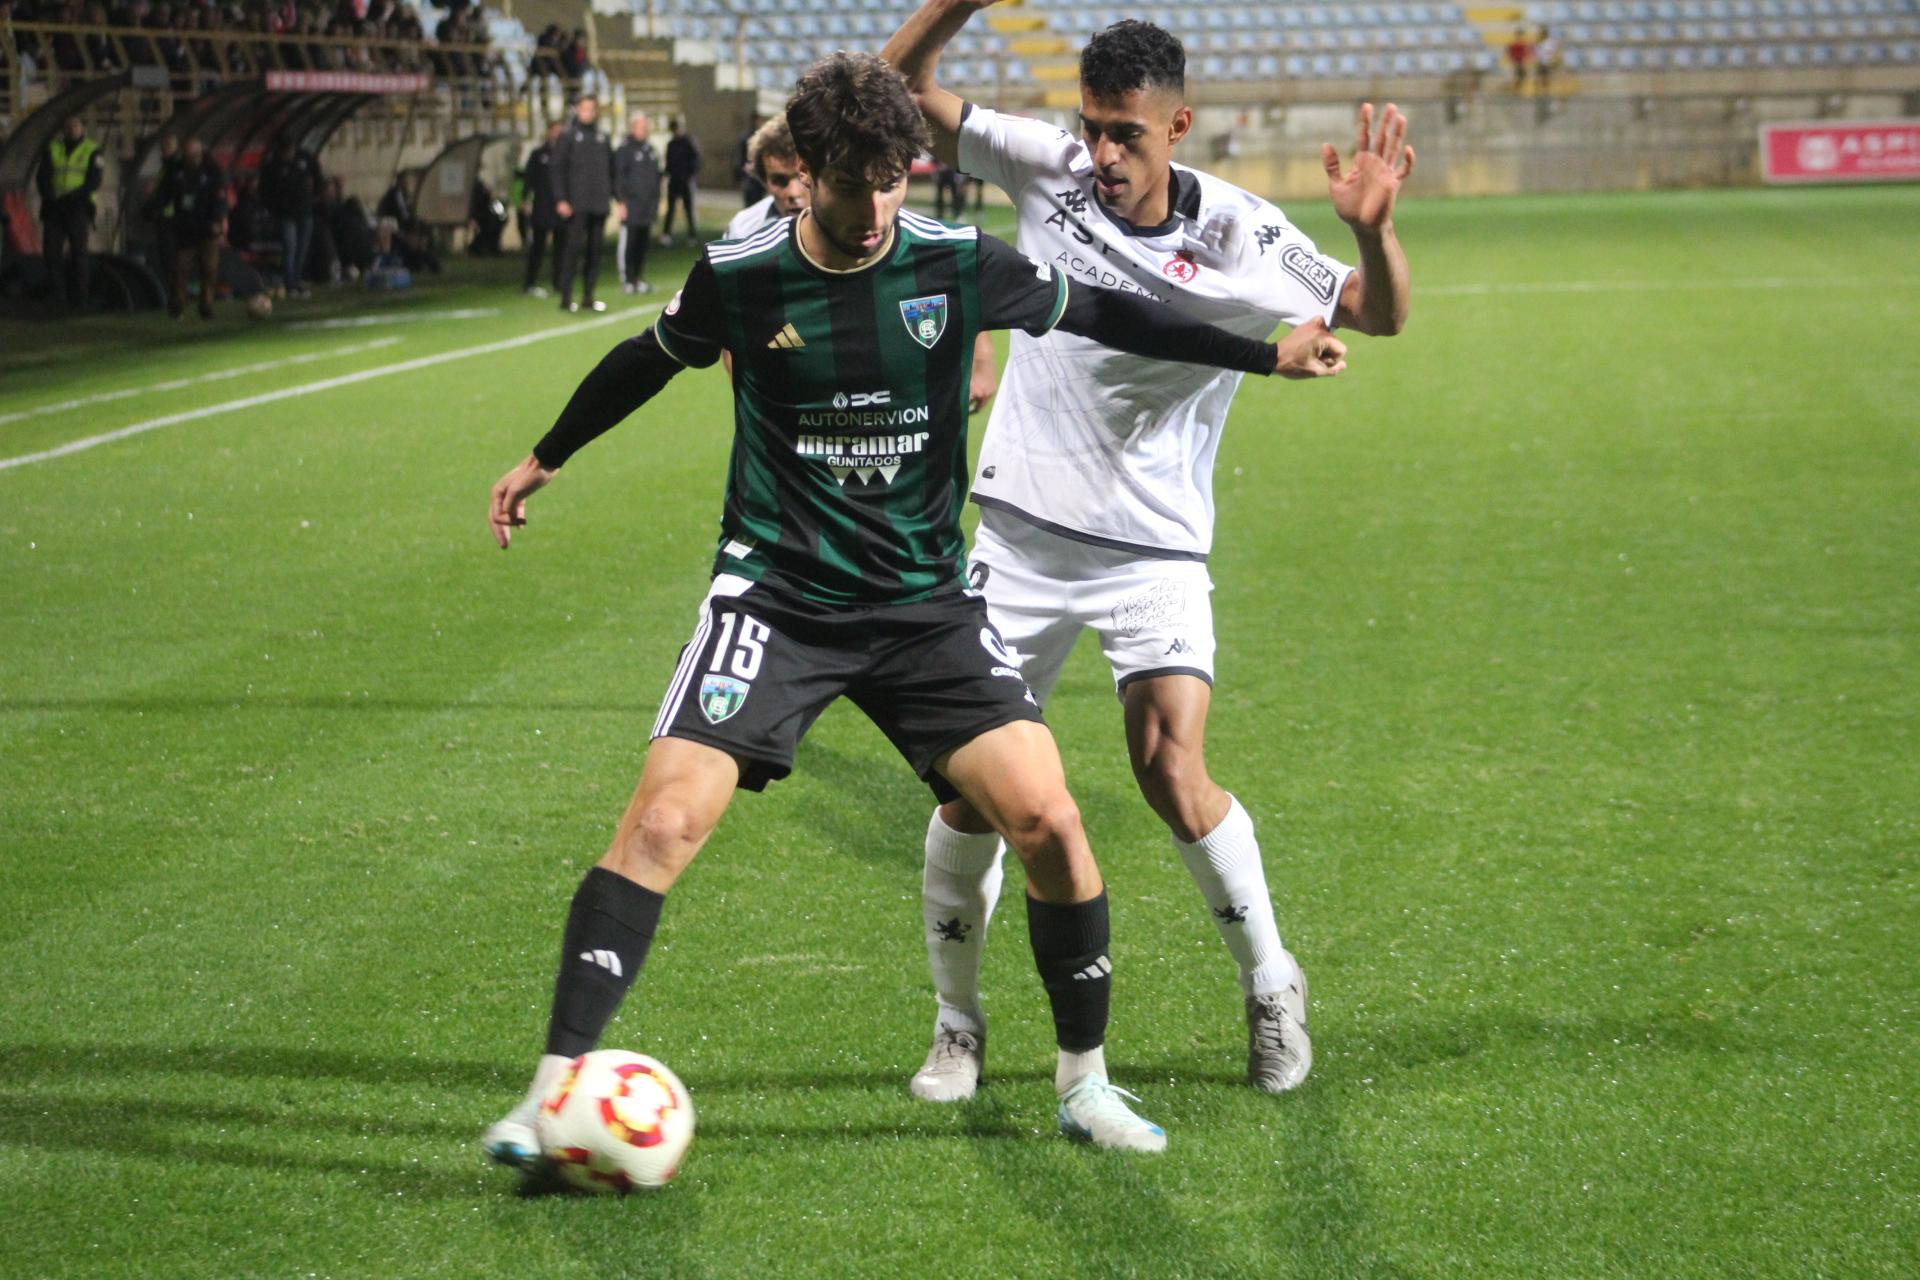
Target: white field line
<point>325,384</point>
<point>398,317</point>
<point>174,384</point>
<point>1691,284</point>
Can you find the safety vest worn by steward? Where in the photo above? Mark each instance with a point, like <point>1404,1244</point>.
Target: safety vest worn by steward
<point>70,164</point>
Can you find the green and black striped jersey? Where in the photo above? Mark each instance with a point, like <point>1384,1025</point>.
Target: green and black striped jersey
<point>849,466</point>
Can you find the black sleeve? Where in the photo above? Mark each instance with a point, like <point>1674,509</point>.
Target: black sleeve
<point>1137,324</point>
<point>691,331</point>
<point>1016,292</point>
<point>626,378</point>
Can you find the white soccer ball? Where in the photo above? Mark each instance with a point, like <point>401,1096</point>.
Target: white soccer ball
<point>260,306</point>
<point>616,1121</point>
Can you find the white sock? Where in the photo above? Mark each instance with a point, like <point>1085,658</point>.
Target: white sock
<point>958,890</point>
<point>1225,863</point>
<point>1074,1065</point>
<point>546,1075</point>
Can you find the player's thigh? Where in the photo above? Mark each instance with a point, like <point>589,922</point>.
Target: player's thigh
<point>1154,618</point>
<point>752,680</point>
<point>1012,776</point>
<point>940,677</point>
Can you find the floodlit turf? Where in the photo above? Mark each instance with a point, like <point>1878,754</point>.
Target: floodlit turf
<point>1568,668</point>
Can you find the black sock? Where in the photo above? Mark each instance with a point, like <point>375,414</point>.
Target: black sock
<point>609,928</point>
<point>1070,950</point>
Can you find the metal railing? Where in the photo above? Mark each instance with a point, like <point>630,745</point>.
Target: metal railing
<point>505,87</point>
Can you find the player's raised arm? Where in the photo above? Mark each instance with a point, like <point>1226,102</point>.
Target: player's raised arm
<point>687,333</point>
<point>914,51</point>
<point>1376,297</point>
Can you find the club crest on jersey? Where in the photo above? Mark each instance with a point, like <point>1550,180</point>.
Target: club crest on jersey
<point>925,318</point>
<point>1181,267</point>
<point>721,696</point>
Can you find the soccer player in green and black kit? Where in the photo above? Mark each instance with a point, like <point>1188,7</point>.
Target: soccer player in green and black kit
<point>839,562</point>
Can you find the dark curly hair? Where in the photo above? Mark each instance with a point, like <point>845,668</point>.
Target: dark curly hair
<point>852,113</point>
<point>1132,55</point>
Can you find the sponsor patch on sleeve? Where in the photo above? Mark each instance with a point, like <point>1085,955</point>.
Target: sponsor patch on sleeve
<point>1316,275</point>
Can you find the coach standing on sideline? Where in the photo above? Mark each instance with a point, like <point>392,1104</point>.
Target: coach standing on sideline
<point>69,175</point>
<point>582,195</point>
<point>636,188</point>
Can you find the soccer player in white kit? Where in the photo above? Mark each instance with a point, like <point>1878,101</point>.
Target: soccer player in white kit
<point>1095,477</point>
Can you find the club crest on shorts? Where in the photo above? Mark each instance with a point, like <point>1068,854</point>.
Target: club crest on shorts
<point>925,318</point>
<point>721,696</point>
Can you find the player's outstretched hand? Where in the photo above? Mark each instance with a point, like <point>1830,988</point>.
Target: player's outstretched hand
<point>1363,196</point>
<point>509,507</point>
<point>1310,351</point>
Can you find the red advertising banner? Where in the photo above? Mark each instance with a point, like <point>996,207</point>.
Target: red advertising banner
<point>348,81</point>
<point>1841,151</point>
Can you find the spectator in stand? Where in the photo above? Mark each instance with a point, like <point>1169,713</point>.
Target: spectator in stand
<point>291,182</point>
<point>582,194</point>
<point>575,62</point>
<point>542,218</point>
<point>197,190</point>
<point>1546,57</point>
<point>683,172</point>
<point>546,55</point>
<point>1520,57</point>
<point>69,174</point>
<point>636,191</point>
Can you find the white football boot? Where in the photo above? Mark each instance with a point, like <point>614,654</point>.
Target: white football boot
<point>1279,1055</point>
<point>953,1067</point>
<point>1091,1110</point>
<point>511,1140</point>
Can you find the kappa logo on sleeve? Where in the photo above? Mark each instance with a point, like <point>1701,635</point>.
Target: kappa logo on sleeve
<point>1297,262</point>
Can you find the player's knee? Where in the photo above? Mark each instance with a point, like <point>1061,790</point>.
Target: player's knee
<point>663,835</point>
<point>1047,825</point>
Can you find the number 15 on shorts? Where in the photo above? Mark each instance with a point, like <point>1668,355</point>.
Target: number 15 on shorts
<point>737,655</point>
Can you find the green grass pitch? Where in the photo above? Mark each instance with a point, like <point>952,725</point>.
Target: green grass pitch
<point>1567,666</point>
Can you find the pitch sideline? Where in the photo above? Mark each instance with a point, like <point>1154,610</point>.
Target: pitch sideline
<point>325,384</point>
<point>175,384</point>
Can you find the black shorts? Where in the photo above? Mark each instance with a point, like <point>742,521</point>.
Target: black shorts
<point>763,665</point>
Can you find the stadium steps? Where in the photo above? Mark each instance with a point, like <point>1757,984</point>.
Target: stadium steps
<point>1013,19</point>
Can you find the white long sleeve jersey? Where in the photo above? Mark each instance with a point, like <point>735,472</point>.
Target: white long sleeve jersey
<point>1102,446</point>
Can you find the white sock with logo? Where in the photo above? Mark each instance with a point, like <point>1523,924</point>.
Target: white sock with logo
<point>1225,863</point>
<point>958,890</point>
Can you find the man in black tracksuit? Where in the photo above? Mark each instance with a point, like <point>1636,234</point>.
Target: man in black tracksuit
<point>636,187</point>
<point>683,172</point>
<point>582,195</point>
<point>197,191</point>
<point>542,220</point>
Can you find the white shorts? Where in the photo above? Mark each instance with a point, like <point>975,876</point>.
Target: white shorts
<point>1154,617</point>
